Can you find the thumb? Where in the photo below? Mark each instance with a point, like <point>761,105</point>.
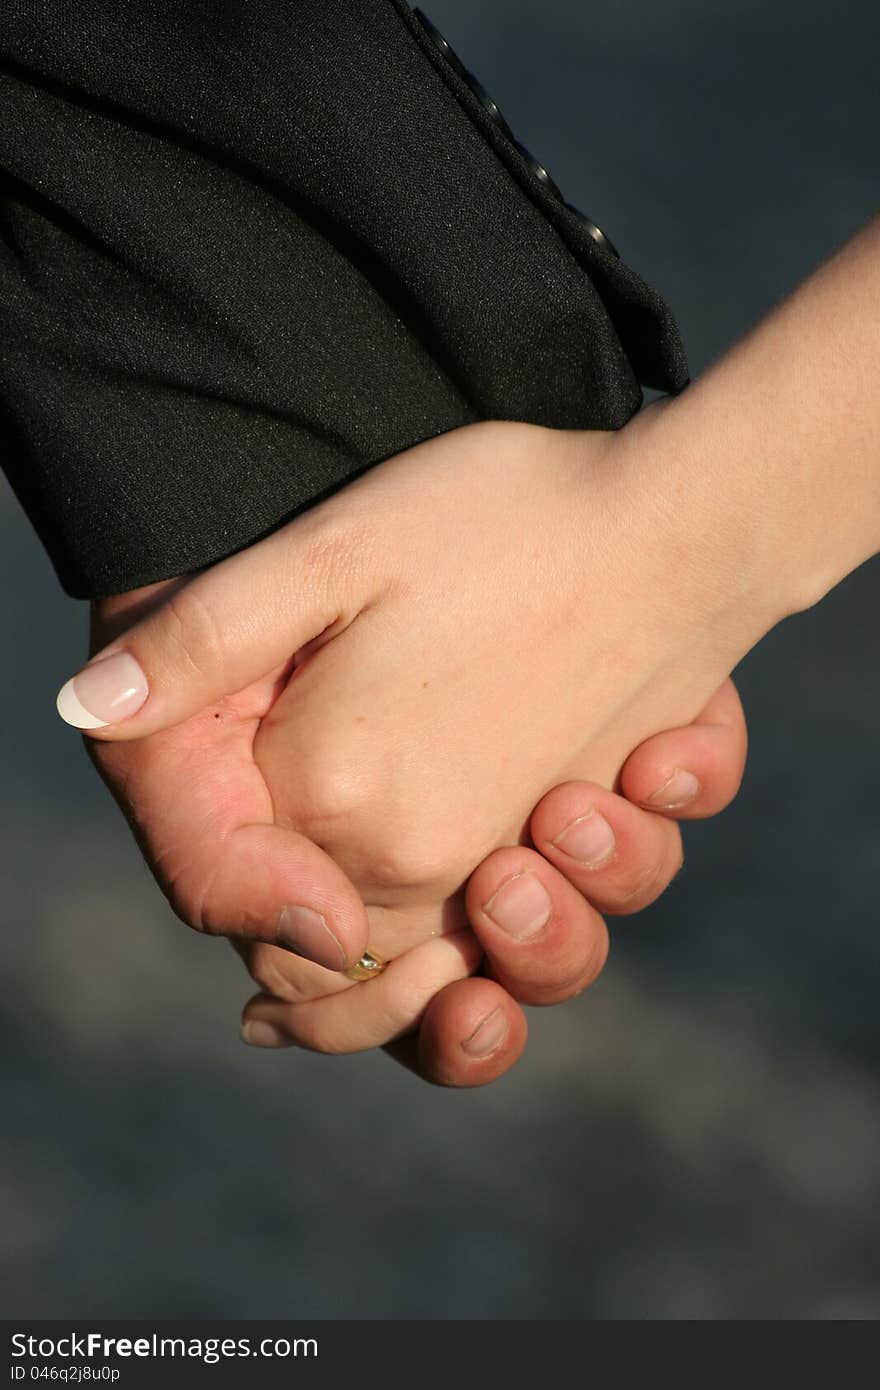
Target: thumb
<point>228,627</point>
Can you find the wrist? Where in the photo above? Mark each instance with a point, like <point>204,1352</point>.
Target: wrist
<point>774,449</point>
<point>712,561</point>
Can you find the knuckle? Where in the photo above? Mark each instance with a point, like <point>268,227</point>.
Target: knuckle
<point>341,551</point>
<point>196,888</point>
<point>641,888</point>
<point>344,808</point>
<point>330,792</point>
<point>390,1017</point>
<point>268,971</point>
<point>408,859</point>
<point>597,960</point>
<point>192,638</point>
<point>581,975</point>
<point>187,889</point>
<point>313,1032</point>
<point>575,976</point>
<point>333,784</point>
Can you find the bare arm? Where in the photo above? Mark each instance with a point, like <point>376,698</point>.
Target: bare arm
<point>771,461</point>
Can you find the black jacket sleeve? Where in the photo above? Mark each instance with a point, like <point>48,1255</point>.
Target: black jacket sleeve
<point>251,247</point>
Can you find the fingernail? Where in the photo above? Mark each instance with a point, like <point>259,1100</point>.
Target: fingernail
<point>589,839</point>
<point>487,1036</point>
<point>306,933</point>
<point>256,1033</point>
<point>104,693</point>
<point>676,791</point>
<point>521,907</point>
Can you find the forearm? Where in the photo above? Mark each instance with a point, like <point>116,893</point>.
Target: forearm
<point>770,462</point>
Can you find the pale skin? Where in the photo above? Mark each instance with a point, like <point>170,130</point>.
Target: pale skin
<point>499,612</point>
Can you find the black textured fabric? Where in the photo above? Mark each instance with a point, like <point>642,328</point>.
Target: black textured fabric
<point>251,247</point>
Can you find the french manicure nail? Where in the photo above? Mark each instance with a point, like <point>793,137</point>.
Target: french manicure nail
<point>306,933</point>
<point>676,791</point>
<point>589,839</point>
<point>104,693</point>
<point>256,1033</point>
<point>521,907</point>
<point>487,1036</point>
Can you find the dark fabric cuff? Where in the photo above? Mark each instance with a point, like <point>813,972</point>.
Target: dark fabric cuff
<point>249,251</point>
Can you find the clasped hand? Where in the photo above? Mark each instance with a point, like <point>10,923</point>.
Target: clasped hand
<point>450,714</point>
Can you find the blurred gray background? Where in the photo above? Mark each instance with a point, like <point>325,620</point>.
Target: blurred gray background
<point>699,1136</point>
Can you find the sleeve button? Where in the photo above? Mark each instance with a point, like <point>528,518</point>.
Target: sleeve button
<point>538,169</point>
<point>595,232</point>
<point>491,107</point>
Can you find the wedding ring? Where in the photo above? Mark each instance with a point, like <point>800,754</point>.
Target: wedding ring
<point>368,967</point>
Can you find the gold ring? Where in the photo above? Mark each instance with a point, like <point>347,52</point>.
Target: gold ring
<point>368,967</point>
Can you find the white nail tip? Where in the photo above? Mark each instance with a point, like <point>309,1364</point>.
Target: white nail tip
<point>73,712</point>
